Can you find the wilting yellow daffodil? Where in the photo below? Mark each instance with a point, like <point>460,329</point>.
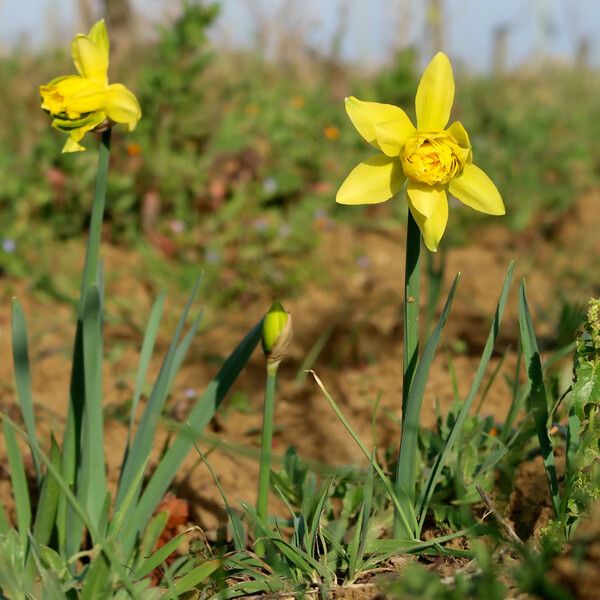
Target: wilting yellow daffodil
<point>81,103</point>
<point>430,158</point>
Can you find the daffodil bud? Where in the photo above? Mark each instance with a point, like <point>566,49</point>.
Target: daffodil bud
<point>277,333</point>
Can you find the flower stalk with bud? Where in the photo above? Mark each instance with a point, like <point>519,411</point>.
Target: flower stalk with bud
<point>276,340</point>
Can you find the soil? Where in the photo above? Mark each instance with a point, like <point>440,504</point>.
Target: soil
<point>360,305</point>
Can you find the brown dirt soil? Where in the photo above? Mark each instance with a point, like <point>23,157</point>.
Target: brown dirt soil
<point>362,359</point>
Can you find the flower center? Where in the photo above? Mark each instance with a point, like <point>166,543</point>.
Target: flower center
<point>433,158</point>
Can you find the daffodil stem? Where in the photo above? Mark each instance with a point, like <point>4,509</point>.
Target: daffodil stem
<point>71,451</point>
<point>262,503</point>
<point>92,255</point>
<point>412,285</point>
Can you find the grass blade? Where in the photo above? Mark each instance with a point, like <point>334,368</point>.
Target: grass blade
<point>20,352</point>
<point>405,472</point>
<point>237,528</point>
<point>158,557</point>
<point>117,521</point>
<point>538,403</point>
<point>190,580</point>
<point>45,515</point>
<point>198,418</point>
<point>18,480</point>
<point>409,525</point>
<point>142,442</point>
<point>145,355</point>
<point>153,531</point>
<point>356,547</point>
<point>466,406</point>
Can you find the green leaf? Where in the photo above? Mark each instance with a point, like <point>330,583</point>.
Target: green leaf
<point>144,437</point>
<point>18,480</point>
<point>405,473</point>
<point>198,418</point>
<point>96,582</point>
<point>20,351</point>
<point>92,485</point>
<point>158,557</point>
<point>45,516</point>
<point>538,403</point>
<point>190,580</point>
<point>409,520</point>
<point>114,530</point>
<point>356,548</point>
<point>586,387</point>
<point>152,532</point>
<point>442,457</point>
<point>145,357</point>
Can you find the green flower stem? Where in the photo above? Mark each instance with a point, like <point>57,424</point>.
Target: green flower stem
<point>262,503</point>
<point>70,528</point>
<point>92,255</point>
<point>412,285</point>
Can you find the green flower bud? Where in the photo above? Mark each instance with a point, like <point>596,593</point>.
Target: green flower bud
<point>277,333</point>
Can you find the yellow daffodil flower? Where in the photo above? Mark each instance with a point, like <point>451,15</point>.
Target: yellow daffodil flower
<point>430,158</point>
<point>85,102</point>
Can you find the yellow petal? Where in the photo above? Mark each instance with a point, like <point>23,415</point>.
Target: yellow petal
<point>459,133</point>
<point>72,146</point>
<point>433,226</point>
<point>435,95</point>
<point>122,106</point>
<point>375,180</point>
<point>423,197</point>
<point>475,189</point>
<point>364,116</point>
<point>99,36</point>
<point>85,98</point>
<point>392,135</point>
<point>89,59</point>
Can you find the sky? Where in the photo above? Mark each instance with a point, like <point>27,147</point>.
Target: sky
<point>373,27</point>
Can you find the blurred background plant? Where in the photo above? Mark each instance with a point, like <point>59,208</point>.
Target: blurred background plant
<point>235,161</point>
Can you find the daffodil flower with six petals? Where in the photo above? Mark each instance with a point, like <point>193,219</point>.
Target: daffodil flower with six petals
<point>84,102</point>
<point>429,158</point>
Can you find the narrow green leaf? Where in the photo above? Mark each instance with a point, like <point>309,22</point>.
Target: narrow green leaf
<point>96,581</point>
<point>237,528</point>
<point>190,580</point>
<point>114,529</point>
<point>142,442</point>
<point>538,403</point>
<point>145,356</point>
<point>250,588</point>
<point>409,520</point>
<point>92,484</point>
<point>151,534</point>
<point>405,473</point>
<point>311,537</point>
<point>158,557</point>
<point>18,480</point>
<point>356,546</point>
<point>4,524</point>
<point>182,350</point>
<point>442,457</point>
<point>20,351</point>
<point>198,418</point>
<point>45,516</point>
<point>517,399</point>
